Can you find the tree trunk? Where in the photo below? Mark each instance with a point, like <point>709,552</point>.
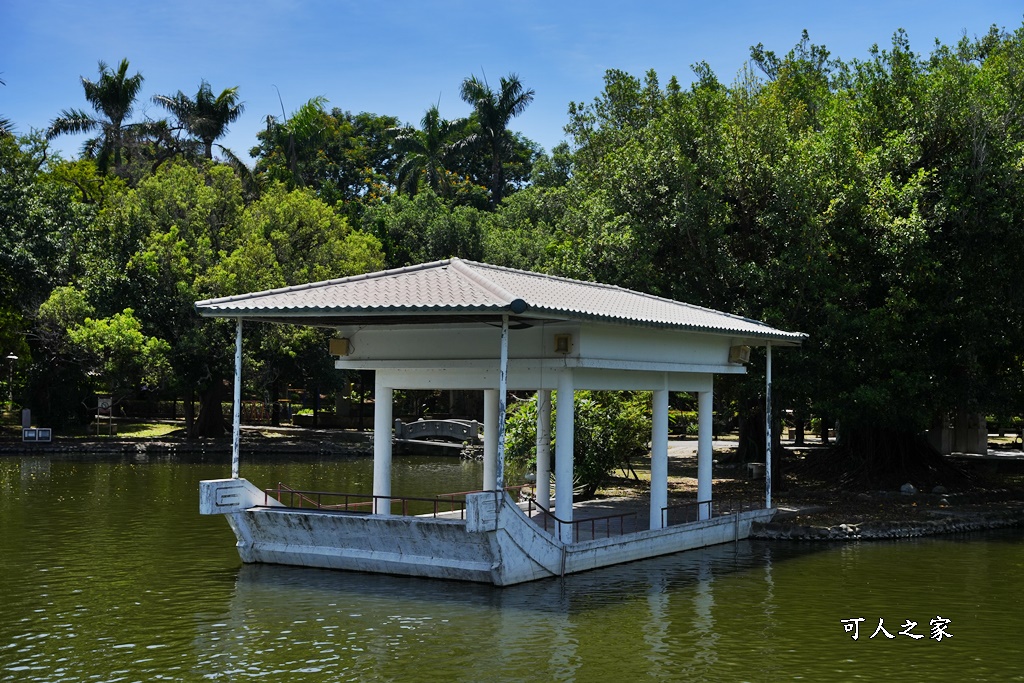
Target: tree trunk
<point>751,447</point>
<point>497,179</point>
<point>800,426</point>
<point>888,458</point>
<point>210,423</point>
<point>275,406</point>
<point>189,408</point>
<point>751,440</point>
<point>316,406</point>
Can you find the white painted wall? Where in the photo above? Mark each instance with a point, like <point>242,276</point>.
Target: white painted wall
<point>592,345</point>
<point>523,376</point>
<point>450,342</point>
<point>616,342</point>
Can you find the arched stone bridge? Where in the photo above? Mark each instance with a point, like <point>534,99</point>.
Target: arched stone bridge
<point>456,431</point>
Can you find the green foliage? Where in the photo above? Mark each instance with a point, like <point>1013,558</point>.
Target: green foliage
<point>424,228</point>
<point>307,240</point>
<point>683,422</point>
<point>611,429</point>
<point>428,154</point>
<point>492,111</point>
<point>554,170</point>
<point>117,355</point>
<point>346,159</point>
<point>39,223</point>
<point>113,98</point>
<point>57,381</point>
<point>874,204</point>
<point>206,116</point>
<point>181,235</point>
<point>522,231</point>
<point>869,204</point>
<point>65,308</point>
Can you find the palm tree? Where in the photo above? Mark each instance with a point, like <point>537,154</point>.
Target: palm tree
<point>426,152</point>
<point>289,146</point>
<point>206,117</point>
<point>493,111</point>
<point>6,127</point>
<point>113,97</point>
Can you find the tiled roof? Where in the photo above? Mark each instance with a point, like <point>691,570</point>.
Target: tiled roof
<point>458,287</point>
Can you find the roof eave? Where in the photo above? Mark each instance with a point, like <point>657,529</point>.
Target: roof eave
<point>406,315</point>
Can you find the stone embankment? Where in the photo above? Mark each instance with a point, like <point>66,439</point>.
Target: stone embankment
<point>956,514</point>
<point>249,446</point>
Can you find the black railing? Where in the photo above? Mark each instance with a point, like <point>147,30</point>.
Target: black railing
<point>685,513</point>
<point>362,503</point>
<point>604,526</point>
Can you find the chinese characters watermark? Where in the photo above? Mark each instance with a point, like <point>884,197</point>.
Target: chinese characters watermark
<point>938,627</point>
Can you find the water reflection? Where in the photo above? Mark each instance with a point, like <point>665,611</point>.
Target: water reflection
<point>109,573</point>
<point>566,629</point>
<point>577,593</point>
<point>34,468</point>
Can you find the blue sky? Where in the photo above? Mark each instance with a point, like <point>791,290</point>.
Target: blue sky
<point>400,57</point>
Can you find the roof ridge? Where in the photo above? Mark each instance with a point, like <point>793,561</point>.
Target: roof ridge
<point>605,285</point>
<point>463,268</point>
<point>324,283</point>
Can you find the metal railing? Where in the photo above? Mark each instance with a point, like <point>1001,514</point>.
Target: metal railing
<point>604,524</point>
<point>685,513</point>
<point>363,503</point>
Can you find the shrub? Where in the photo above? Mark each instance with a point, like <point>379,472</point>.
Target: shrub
<point>611,428</point>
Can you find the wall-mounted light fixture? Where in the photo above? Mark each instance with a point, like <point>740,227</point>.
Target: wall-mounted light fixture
<point>339,346</point>
<point>739,354</point>
<point>563,343</point>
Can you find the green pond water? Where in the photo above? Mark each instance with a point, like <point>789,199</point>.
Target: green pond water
<point>108,573</point>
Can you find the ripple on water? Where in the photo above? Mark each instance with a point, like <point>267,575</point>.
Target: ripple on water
<point>109,583</point>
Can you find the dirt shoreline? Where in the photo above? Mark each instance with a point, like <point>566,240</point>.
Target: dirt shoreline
<point>815,510</point>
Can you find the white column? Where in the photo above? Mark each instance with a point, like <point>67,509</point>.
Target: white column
<point>544,448</point>
<point>659,457</point>
<point>490,440</point>
<point>564,437</point>
<point>768,427</point>
<point>499,471</point>
<point>236,417</point>
<point>704,464</point>
<point>382,412</point>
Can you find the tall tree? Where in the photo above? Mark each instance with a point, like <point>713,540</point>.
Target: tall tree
<point>113,98</point>
<point>424,227</point>
<point>345,158</point>
<point>291,238</point>
<point>205,116</point>
<point>426,152</point>
<point>493,111</point>
<point>163,238</point>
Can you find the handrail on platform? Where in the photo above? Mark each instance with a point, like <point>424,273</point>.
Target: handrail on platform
<point>685,513</point>
<point>365,503</point>
<point>576,524</point>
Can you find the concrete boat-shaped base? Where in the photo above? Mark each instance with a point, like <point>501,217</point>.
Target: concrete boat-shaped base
<point>496,543</point>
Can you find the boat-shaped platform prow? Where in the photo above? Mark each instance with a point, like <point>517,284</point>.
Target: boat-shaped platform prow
<point>494,542</point>
<point>222,496</point>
